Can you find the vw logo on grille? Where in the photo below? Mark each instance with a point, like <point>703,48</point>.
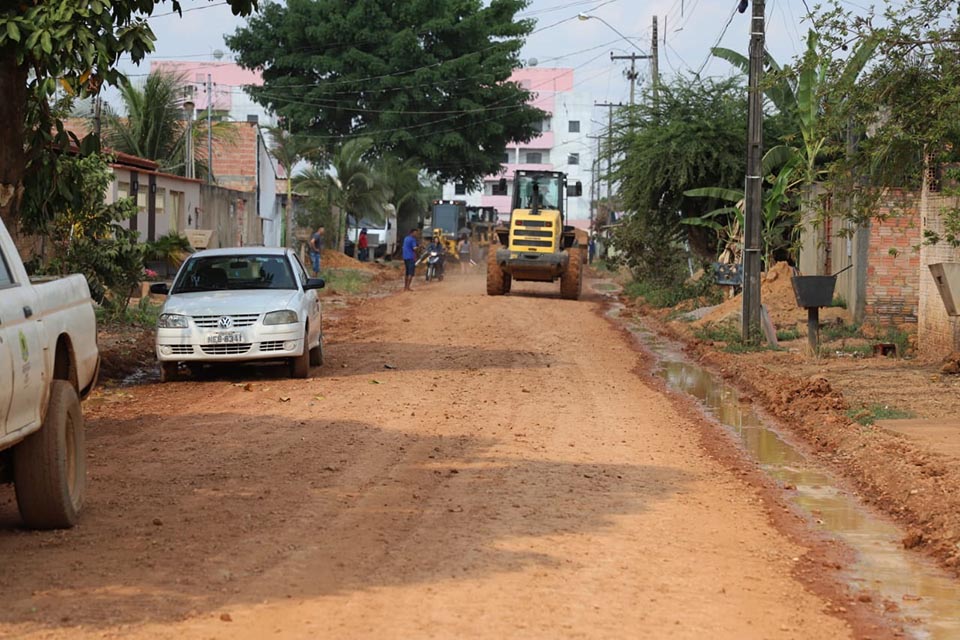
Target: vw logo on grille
<point>225,322</point>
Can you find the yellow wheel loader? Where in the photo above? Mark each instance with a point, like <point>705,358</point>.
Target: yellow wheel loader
<point>537,246</point>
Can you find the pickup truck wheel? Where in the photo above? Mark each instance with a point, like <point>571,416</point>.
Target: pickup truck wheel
<point>50,466</point>
<point>300,365</point>
<point>169,371</point>
<point>316,355</point>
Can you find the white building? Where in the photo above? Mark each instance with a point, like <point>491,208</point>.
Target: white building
<point>563,144</point>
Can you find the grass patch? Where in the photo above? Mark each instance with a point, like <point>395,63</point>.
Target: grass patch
<point>346,280</point>
<point>786,335</point>
<point>900,338</point>
<point>870,414</point>
<point>830,332</point>
<point>839,301</point>
<point>730,334</point>
<point>662,296</point>
<point>858,351</point>
<point>143,314</point>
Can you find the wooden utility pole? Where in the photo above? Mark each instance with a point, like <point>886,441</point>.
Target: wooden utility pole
<point>209,129</point>
<point>753,185</point>
<point>633,74</point>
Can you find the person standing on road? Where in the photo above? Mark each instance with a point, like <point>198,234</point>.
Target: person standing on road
<point>463,253</point>
<point>362,245</point>
<point>316,250</point>
<point>410,245</point>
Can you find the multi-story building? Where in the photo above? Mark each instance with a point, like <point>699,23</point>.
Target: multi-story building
<point>562,145</point>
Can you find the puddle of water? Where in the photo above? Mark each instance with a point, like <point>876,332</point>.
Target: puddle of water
<point>927,596</point>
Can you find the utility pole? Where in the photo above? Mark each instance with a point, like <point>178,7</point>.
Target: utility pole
<point>97,106</point>
<point>632,74</point>
<point>595,183</point>
<point>210,130</point>
<point>609,106</point>
<point>655,64</point>
<point>753,185</point>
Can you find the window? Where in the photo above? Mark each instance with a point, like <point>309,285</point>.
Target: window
<point>495,189</point>
<point>460,189</point>
<point>5,278</point>
<point>573,126</point>
<point>505,159</point>
<point>573,158</point>
<point>534,157</point>
<point>537,126</point>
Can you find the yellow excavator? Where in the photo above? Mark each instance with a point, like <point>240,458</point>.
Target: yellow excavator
<point>537,246</point>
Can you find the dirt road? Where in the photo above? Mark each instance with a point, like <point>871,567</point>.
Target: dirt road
<point>512,474</point>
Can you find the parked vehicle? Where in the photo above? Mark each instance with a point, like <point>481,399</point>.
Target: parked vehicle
<point>237,305</point>
<point>381,236</point>
<point>48,362</point>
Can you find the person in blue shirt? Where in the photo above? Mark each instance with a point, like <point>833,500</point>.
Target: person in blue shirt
<point>410,245</point>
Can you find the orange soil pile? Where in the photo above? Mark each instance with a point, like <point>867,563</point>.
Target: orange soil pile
<point>776,294</point>
<point>337,260</point>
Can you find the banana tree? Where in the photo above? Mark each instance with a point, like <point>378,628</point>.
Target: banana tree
<point>779,218</point>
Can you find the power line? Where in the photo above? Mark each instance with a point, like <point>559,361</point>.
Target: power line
<point>723,32</point>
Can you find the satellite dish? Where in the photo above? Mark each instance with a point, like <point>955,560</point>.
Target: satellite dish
<point>532,62</point>
<point>217,54</point>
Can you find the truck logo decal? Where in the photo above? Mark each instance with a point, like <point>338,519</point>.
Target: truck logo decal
<point>225,322</point>
<point>24,347</point>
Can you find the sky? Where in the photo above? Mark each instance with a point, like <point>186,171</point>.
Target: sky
<point>687,31</point>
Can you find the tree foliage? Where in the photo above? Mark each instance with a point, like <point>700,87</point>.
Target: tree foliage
<point>423,79</point>
<point>88,235</point>
<point>71,44</point>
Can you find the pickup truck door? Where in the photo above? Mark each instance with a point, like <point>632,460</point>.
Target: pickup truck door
<point>20,333</point>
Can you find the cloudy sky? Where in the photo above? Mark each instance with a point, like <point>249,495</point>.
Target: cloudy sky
<point>687,31</point>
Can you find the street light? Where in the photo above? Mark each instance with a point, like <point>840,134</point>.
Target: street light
<point>632,74</point>
<point>583,17</point>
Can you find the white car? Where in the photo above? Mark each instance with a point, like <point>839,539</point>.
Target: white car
<point>240,304</point>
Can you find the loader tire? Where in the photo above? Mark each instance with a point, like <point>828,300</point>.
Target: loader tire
<point>507,282</point>
<point>571,281</point>
<point>495,276</point>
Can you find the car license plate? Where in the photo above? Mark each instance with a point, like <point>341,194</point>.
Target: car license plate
<point>229,337</point>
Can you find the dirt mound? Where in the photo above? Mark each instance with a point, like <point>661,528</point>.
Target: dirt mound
<point>776,294</point>
<point>338,260</point>
<point>951,364</point>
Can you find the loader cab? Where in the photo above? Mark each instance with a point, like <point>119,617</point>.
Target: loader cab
<point>539,191</point>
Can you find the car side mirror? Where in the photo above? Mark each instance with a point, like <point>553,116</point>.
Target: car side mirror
<point>160,288</point>
<point>314,283</point>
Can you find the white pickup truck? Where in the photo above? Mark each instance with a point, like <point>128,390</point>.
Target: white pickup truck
<point>48,362</point>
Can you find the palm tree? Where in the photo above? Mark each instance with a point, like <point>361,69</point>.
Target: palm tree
<point>356,187</point>
<point>288,150</point>
<point>410,197</point>
<point>153,127</point>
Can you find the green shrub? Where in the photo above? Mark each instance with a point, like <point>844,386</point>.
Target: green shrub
<point>829,332</point>
<point>730,334</point>
<point>870,414</point>
<point>786,335</point>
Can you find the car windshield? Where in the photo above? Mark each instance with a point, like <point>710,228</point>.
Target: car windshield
<point>235,272</point>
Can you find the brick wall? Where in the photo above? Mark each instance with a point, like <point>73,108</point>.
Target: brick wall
<point>234,157</point>
<point>938,334</point>
<point>893,280</point>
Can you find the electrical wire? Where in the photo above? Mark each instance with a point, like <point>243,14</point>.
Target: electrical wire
<point>723,32</point>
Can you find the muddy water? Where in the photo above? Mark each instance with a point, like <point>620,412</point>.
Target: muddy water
<point>928,599</point>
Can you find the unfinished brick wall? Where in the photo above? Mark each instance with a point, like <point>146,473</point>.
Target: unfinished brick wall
<point>234,156</point>
<point>893,280</point>
<point>938,334</point>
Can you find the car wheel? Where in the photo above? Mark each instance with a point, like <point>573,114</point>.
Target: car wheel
<point>316,354</point>
<point>300,365</point>
<point>50,466</point>
<point>169,371</point>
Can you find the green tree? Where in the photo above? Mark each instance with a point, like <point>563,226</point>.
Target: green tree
<point>71,44</point>
<point>355,187</point>
<point>287,149</point>
<point>88,234</point>
<point>410,193</point>
<point>421,78</point>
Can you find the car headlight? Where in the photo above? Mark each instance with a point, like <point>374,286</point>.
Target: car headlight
<point>286,316</point>
<point>172,321</point>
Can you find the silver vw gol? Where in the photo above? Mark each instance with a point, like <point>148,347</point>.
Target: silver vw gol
<point>240,304</point>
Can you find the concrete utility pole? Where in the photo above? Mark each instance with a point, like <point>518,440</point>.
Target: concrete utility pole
<point>595,182</point>
<point>632,74</point>
<point>210,130</point>
<point>609,106</point>
<point>655,63</point>
<point>753,185</point>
